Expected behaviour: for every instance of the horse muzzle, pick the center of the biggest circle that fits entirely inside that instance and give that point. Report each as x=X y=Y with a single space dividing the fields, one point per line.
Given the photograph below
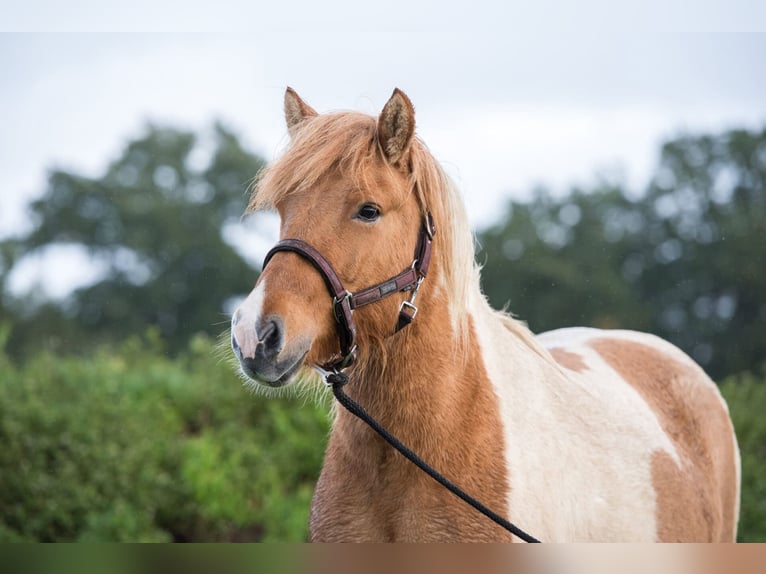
x=263 y=355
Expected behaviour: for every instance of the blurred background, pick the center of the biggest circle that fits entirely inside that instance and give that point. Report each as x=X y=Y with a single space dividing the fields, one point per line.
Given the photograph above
x=613 y=166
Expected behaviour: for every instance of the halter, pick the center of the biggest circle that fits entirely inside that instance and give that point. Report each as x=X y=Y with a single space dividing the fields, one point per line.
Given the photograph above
x=344 y=302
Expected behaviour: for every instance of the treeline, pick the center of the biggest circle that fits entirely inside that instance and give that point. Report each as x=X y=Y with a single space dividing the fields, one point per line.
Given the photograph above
x=154 y=223
x=684 y=260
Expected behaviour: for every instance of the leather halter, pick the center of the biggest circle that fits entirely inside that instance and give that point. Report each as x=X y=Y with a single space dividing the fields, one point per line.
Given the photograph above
x=344 y=302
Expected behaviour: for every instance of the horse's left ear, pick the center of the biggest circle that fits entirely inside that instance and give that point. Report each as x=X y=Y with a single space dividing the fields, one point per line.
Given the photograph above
x=396 y=126
x=296 y=111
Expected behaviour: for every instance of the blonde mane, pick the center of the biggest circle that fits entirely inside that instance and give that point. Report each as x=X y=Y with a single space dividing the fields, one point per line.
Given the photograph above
x=348 y=141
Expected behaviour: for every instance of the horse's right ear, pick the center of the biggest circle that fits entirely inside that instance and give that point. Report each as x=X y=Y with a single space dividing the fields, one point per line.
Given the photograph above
x=296 y=111
x=396 y=126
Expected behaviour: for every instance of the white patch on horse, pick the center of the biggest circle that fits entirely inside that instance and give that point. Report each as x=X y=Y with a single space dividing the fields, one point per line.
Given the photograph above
x=575 y=340
x=584 y=473
x=245 y=319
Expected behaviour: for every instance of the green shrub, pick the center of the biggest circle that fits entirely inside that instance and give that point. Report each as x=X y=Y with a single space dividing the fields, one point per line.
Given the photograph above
x=132 y=445
x=746 y=395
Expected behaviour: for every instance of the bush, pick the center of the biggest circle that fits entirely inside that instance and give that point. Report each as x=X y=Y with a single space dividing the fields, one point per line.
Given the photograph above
x=129 y=445
x=746 y=395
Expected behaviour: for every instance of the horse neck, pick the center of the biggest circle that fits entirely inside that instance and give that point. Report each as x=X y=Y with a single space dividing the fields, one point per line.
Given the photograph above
x=435 y=396
x=426 y=384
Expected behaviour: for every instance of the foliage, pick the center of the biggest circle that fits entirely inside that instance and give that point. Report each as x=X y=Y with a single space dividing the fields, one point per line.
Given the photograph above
x=132 y=445
x=549 y=262
x=154 y=220
x=684 y=260
x=746 y=396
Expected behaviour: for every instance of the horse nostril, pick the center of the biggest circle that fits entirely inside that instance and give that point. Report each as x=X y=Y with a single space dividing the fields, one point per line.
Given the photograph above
x=270 y=335
x=235 y=346
x=265 y=331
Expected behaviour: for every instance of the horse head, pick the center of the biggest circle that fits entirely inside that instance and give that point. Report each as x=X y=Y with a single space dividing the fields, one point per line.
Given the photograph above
x=344 y=187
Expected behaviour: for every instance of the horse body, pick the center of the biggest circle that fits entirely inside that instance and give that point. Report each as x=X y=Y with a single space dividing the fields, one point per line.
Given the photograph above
x=574 y=435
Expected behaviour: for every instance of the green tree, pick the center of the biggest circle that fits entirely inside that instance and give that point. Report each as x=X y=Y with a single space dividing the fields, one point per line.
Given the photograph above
x=704 y=265
x=154 y=219
x=684 y=260
x=559 y=262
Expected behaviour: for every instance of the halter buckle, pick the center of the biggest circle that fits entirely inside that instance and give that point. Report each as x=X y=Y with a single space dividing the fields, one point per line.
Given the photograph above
x=409 y=305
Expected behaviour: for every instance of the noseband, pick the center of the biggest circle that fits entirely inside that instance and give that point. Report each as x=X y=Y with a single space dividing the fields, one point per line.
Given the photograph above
x=345 y=302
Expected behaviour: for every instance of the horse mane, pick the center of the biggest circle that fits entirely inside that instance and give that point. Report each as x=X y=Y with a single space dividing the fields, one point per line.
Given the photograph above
x=348 y=141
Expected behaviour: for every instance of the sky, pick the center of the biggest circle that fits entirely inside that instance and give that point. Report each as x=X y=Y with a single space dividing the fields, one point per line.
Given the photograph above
x=507 y=95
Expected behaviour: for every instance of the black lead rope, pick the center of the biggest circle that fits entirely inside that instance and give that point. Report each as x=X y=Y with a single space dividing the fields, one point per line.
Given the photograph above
x=338 y=380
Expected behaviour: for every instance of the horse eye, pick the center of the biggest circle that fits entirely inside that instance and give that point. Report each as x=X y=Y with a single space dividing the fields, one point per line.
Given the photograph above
x=368 y=212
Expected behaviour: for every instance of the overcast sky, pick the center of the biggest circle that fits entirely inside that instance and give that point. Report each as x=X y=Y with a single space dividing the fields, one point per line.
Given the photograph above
x=506 y=96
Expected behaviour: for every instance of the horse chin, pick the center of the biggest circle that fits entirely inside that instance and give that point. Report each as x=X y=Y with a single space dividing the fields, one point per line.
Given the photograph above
x=284 y=375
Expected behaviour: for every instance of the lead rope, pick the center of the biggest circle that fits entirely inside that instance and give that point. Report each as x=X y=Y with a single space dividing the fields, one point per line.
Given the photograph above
x=338 y=380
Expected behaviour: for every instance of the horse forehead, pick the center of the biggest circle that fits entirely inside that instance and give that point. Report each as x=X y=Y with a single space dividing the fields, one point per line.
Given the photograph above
x=330 y=194
x=307 y=209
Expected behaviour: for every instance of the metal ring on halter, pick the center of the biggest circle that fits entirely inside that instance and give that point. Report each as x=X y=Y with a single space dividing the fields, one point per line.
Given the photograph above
x=338 y=301
x=349 y=359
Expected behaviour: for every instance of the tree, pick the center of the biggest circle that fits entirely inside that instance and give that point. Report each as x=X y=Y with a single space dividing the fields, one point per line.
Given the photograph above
x=704 y=261
x=155 y=218
x=684 y=261
x=558 y=262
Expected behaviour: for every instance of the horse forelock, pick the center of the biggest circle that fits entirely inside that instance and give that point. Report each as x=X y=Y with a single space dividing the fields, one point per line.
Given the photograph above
x=332 y=141
x=347 y=141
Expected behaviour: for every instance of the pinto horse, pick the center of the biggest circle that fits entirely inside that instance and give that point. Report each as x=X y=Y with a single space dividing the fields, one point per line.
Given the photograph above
x=575 y=435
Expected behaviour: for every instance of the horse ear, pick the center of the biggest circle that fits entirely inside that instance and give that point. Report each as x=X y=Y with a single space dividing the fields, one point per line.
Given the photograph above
x=396 y=126
x=296 y=111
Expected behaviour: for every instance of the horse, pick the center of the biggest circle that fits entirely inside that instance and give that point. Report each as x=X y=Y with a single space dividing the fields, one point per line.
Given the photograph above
x=577 y=434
